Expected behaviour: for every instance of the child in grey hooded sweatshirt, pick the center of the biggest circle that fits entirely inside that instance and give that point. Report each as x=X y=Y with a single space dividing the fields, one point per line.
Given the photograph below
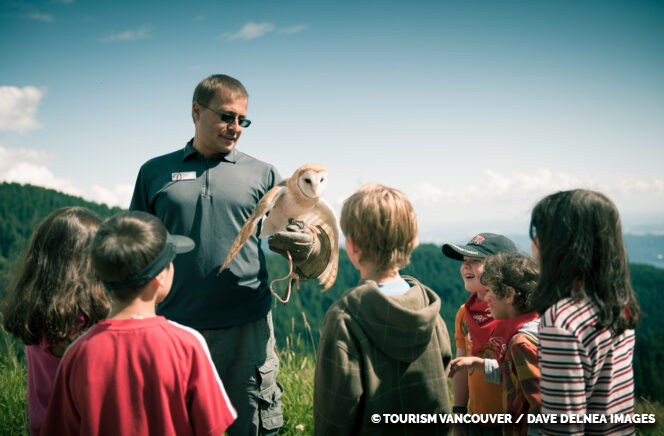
x=384 y=348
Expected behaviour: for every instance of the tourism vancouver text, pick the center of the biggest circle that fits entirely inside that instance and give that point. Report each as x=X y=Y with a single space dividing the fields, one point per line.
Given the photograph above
x=502 y=418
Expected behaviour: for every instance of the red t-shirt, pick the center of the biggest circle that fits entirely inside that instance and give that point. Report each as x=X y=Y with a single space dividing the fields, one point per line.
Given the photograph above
x=138 y=376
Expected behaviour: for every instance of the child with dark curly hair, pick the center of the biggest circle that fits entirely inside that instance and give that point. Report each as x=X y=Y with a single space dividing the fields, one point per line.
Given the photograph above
x=510 y=280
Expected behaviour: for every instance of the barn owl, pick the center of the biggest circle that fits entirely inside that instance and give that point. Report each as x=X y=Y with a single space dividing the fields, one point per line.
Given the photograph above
x=298 y=197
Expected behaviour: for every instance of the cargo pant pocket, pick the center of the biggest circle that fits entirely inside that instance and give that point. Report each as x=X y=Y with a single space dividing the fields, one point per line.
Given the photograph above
x=269 y=396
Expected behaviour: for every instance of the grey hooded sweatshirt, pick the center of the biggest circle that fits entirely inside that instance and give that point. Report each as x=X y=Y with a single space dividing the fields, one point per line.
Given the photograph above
x=382 y=355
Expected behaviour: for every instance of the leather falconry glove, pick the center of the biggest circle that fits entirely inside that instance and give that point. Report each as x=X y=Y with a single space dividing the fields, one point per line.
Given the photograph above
x=309 y=247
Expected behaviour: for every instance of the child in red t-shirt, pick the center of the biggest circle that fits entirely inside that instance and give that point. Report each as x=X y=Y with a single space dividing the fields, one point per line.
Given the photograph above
x=136 y=372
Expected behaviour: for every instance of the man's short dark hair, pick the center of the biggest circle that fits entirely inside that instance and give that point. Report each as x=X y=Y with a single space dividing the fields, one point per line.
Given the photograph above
x=208 y=88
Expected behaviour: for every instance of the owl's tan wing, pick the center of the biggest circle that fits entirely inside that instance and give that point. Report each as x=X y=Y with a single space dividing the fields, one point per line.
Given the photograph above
x=323 y=215
x=262 y=207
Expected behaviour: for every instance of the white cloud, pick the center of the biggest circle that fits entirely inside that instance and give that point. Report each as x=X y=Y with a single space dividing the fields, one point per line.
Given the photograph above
x=25 y=11
x=425 y=191
x=507 y=199
x=32 y=167
x=640 y=186
x=39 y=16
x=293 y=29
x=252 y=30
x=498 y=182
x=144 y=32
x=118 y=195
x=18 y=107
x=540 y=182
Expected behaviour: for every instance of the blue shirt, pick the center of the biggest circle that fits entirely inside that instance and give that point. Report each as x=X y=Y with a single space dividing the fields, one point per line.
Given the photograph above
x=394 y=288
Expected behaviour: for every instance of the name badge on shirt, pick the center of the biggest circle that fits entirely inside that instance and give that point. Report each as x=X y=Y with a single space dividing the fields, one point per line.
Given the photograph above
x=189 y=175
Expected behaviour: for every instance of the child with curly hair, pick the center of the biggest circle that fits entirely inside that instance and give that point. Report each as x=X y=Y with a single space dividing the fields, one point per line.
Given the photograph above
x=510 y=280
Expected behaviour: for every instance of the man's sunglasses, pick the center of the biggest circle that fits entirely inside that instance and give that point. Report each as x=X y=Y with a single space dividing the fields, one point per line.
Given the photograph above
x=229 y=118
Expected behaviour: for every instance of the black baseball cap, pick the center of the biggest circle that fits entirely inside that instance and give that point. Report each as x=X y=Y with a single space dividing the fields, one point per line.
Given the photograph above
x=175 y=244
x=482 y=245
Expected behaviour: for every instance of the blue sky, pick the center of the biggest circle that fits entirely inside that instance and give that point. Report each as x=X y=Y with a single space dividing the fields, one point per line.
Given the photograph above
x=474 y=109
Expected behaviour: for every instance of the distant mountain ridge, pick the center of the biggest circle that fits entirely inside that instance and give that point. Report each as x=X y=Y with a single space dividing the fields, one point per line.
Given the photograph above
x=642 y=249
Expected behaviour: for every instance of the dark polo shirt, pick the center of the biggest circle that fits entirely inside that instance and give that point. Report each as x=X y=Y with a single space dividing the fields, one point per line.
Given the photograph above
x=209 y=201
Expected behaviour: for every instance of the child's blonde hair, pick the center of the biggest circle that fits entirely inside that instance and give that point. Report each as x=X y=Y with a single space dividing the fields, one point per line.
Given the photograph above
x=55 y=294
x=382 y=223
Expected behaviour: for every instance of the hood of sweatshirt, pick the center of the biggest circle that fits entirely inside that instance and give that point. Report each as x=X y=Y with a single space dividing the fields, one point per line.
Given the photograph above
x=400 y=326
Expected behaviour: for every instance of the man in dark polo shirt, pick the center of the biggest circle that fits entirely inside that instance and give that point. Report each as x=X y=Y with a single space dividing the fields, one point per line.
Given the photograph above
x=207 y=191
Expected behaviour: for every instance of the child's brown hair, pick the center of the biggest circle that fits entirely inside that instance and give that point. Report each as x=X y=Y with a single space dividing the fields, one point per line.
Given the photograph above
x=505 y=271
x=124 y=245
x=382 y=223
x=581 y=253
x=55 y=286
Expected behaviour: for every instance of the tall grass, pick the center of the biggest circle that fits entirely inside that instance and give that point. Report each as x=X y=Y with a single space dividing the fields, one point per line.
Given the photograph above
x=13 y=371
x=296 y=374
x=643 y=406
x=296 y=359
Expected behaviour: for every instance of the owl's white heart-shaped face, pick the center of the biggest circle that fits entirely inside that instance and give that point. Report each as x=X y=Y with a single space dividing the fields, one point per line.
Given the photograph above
x=312 y=183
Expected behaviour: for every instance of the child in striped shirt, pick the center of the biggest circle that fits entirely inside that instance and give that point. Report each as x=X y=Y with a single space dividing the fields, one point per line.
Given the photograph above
x=588 y=312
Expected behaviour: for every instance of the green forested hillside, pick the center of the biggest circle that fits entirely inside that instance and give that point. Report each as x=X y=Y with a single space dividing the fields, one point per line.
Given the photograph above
x=22 y=207
x=648 y=283
x=442 y=275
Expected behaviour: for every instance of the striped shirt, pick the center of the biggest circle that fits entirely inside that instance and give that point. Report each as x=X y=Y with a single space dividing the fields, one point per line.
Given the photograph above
x=584 y=371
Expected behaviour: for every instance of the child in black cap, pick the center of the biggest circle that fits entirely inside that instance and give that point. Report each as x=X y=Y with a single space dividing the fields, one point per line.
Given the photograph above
x=136 y=372
x=474 y=326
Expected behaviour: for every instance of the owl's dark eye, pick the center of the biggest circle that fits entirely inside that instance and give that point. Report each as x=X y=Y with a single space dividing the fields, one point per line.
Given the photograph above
x=308 y=181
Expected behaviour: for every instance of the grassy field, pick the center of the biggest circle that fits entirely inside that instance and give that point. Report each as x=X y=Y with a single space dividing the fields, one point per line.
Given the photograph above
x=297 y=362
x=13 y=372
x=296 y=374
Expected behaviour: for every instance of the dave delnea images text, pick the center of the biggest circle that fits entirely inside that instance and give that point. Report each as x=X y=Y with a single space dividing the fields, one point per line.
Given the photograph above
x=441 y=418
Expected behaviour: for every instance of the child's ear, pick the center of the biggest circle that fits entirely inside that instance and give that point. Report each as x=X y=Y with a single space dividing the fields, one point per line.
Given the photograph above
x=509 y=297
x=351 y=246
x=162 y=278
